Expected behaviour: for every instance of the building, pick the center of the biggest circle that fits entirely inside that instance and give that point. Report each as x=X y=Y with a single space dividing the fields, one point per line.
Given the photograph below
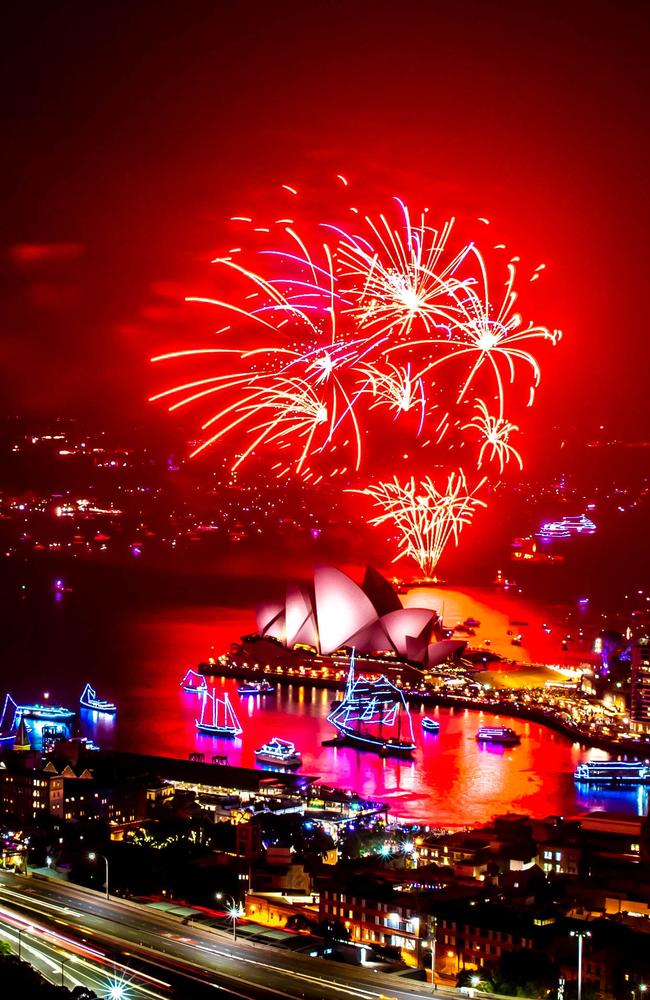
x=476 y=935
x=376 y=915
x=333 y=613
x=640 y=686
x=27 y=793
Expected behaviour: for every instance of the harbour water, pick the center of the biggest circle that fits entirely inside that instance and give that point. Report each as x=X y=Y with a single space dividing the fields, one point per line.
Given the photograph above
x=135 y=652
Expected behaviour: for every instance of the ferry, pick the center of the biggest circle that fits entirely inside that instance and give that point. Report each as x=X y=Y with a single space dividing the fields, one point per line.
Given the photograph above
x=554 y=529
x=280 y=752
x=218 y=716
x=430 y=725
x=501 y=735
x=194 y=682
x=566 y=526
x=90 y=700
x=579 y=523
x=49 y=713
x=613 y=772
x=256 y=687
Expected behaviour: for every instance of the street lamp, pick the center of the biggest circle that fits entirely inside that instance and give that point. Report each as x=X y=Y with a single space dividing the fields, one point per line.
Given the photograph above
x=580 y=935
x=433 y=954
x=64 y=962
x=93 y=857
x=21 y=931
x=234 y=911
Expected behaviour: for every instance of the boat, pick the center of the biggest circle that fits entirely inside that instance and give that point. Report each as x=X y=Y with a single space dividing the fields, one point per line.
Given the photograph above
x=571 y=524
x=217 y=716
x=9 y=720
x=501 y=735
x=90 y=700
x=256 y=687
x=194 y=682
x=430 y=725
x=373 y=715
x=280 y=752
x=613 y=772
x=580 y=523
x=472 y=623
x=553 y=529
x=50 y=713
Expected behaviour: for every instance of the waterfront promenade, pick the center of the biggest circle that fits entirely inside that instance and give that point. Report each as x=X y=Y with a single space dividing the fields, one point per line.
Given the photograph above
x=576 y=715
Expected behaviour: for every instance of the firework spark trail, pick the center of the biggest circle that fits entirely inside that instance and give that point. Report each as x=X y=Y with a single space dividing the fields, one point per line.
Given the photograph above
x=426 y=518
x=397 y=389
x=495 y=432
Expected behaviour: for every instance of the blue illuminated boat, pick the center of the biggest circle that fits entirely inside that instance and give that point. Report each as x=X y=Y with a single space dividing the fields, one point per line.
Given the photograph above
x=48 y=713
x=373 y=715
x=193 y=682
x=501 y=735
x=280 y=752
x=90 y=700
x=430 y=725
x=256 y=687
x=217 y=716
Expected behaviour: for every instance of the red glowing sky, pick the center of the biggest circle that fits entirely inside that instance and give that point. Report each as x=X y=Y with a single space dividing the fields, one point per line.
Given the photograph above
x=135 y=130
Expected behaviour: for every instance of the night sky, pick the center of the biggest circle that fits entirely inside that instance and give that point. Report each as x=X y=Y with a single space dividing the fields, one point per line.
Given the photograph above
x=132 y=130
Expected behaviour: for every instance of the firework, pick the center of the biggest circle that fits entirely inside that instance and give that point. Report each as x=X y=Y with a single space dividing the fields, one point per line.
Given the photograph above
x=375 y=335
x=398 y=278
x=483 y=336
x=495 y=433
x=425 y=518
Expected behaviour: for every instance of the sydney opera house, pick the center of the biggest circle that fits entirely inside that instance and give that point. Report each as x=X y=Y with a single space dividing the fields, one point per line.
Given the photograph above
x=332 y=613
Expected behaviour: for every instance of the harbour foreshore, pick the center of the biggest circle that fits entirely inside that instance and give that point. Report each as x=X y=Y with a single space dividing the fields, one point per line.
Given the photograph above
x=637 y=748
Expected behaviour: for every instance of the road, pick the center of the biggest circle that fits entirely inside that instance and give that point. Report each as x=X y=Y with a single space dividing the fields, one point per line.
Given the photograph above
x=185 y=961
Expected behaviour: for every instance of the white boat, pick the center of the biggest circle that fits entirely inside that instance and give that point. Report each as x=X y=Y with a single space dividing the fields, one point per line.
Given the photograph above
x=501 y=735
x=613 y=772
x=280 y=752
x=255 y=688
x=217 y=716
x=90 y=700
x=430 y=725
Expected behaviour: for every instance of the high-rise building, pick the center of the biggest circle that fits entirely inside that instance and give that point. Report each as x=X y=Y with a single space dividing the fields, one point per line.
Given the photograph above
x=640 y=686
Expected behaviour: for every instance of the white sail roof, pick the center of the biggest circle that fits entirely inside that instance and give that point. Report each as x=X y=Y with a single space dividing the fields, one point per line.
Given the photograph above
x=342 y=608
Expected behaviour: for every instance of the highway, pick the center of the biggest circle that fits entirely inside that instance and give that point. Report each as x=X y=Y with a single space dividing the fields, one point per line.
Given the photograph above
x=165 y=958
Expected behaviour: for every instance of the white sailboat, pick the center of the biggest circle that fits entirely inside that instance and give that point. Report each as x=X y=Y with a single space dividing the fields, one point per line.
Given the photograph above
x=217 y=716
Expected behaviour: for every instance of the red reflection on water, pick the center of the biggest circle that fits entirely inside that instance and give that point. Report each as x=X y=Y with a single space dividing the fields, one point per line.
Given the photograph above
x=451 y=780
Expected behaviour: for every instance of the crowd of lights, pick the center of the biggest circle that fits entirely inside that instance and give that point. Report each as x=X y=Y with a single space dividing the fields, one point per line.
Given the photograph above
x=384 y=331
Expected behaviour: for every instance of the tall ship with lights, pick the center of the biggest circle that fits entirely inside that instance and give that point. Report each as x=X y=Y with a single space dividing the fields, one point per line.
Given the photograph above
x=217 y=716
x=373 y=715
